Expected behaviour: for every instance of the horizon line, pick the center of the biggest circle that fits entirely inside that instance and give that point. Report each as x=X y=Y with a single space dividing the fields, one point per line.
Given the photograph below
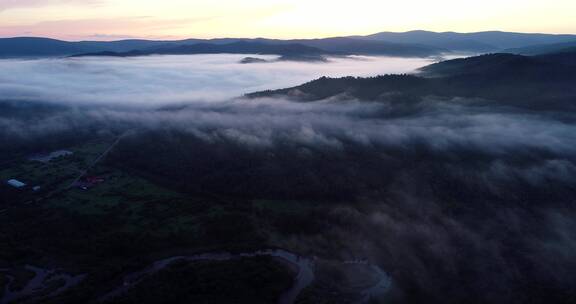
x=263 y=37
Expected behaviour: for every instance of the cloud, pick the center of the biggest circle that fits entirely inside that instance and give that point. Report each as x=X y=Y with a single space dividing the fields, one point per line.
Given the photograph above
x=164 y=79
x=114 y=28
x=13 y=4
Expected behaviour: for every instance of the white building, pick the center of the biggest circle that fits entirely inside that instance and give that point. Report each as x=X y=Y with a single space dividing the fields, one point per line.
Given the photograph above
x=16 y=183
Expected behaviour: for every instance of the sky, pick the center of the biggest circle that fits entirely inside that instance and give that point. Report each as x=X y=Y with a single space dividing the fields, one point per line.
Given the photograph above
x=175 y=19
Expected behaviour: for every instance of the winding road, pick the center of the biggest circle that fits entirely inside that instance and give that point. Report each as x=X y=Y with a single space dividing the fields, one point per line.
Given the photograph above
x=303 y=279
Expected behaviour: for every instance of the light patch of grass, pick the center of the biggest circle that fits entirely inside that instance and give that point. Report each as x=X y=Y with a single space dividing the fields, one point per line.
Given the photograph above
x=117 y=188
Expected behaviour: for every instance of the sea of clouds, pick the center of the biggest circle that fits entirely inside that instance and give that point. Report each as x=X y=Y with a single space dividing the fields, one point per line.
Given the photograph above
x=155 y=80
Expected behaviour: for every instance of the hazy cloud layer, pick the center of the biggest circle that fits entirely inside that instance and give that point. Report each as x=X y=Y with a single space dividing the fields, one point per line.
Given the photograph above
x=165 y=79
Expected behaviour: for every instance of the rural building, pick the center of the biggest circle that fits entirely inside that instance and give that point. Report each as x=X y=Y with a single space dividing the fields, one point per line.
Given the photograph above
x=16 y=183
x=45 y=158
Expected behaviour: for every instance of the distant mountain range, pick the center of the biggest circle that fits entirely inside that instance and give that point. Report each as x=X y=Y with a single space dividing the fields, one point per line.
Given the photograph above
x=240 y=47
x=407 y=44
x=490 y=41
x=39 y=47
x=328 y=46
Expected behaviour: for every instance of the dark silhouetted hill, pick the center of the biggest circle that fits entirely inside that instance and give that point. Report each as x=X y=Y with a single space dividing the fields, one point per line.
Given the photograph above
x=29 y=46
x=544 y=48
x=44 y=47
x=473 y=42
x=241 y=47
x=565 y=56
x=367 y=47
x=542 y=82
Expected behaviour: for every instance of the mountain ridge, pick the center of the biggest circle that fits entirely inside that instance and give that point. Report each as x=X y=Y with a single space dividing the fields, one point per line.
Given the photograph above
x=528 y=82
x=417 y=43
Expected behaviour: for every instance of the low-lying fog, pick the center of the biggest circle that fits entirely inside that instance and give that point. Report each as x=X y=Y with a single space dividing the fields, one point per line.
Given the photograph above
x=161 y=79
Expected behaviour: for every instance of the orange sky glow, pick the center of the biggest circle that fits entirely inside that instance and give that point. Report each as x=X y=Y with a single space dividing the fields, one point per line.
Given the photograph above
x=175 y=19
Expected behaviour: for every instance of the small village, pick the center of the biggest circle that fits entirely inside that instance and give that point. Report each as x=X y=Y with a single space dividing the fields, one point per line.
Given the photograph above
x=41 y=158
x=42 y=175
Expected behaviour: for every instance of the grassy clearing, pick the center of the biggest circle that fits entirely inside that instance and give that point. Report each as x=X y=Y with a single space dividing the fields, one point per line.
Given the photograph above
x=55 y=175
x=116 y=189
